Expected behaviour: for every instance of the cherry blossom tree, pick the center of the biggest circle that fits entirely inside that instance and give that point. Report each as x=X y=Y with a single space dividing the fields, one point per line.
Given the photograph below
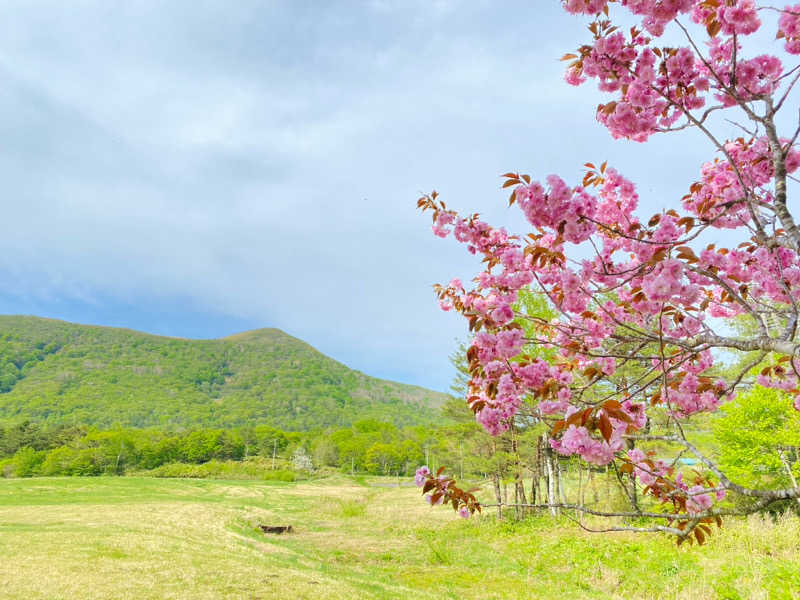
x=648 y=295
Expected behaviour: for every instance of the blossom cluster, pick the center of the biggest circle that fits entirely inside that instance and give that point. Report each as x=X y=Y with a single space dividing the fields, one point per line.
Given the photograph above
x=642 y=292
x=789 y=28
x=658 y=284
x=657 y=87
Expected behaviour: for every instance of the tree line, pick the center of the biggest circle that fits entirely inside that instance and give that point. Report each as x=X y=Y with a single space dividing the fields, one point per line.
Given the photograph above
x=369 y=446
x=520 y=464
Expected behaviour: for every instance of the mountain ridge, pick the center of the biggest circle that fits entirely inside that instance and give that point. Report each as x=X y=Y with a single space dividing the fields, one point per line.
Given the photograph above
x=57 y=371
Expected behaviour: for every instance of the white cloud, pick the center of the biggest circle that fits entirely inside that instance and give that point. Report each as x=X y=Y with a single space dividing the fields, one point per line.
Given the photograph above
x=262 y=159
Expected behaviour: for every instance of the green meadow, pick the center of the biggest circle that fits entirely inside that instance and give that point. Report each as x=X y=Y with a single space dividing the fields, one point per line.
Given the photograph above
x=138 y=537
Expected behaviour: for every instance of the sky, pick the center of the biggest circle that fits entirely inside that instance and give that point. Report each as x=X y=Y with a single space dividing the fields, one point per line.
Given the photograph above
x=198 y=168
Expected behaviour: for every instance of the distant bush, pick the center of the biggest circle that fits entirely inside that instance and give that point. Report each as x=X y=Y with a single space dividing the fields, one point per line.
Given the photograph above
x=59 y=461
x=217 y=469
x=279 y=475
x=25 y=463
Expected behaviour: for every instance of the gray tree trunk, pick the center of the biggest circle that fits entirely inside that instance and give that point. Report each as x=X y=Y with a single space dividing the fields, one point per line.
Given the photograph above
x=551 y=478
x=788 y=467
x=496 y=482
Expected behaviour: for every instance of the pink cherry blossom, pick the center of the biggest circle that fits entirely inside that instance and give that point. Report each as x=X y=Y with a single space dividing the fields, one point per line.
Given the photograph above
x=421 y=476
x=741 y=18
x=697 y=501
x=789 y=28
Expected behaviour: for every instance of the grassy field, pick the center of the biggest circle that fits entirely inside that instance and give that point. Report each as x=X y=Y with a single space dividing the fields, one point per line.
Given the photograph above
x=144 y=538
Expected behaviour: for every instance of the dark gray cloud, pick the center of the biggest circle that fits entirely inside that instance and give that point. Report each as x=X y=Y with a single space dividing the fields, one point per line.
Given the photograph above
x=260 y=161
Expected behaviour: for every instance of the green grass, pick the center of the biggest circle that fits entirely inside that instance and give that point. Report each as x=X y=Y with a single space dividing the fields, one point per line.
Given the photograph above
x=185 y=538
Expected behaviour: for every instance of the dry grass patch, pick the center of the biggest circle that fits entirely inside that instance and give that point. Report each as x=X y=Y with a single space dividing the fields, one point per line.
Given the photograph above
x=147 y=550
x=179 y=539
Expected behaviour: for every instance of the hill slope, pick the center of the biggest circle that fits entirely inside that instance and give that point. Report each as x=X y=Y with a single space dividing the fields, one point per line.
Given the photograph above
x=59 y=372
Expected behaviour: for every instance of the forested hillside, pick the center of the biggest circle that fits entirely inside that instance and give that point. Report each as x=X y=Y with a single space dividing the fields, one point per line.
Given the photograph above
x=57 y=372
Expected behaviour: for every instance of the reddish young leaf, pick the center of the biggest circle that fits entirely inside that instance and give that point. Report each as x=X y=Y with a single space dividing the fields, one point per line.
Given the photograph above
x=605 y=427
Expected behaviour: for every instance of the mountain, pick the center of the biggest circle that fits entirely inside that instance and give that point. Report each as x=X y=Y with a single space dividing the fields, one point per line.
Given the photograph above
x=58 y=372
